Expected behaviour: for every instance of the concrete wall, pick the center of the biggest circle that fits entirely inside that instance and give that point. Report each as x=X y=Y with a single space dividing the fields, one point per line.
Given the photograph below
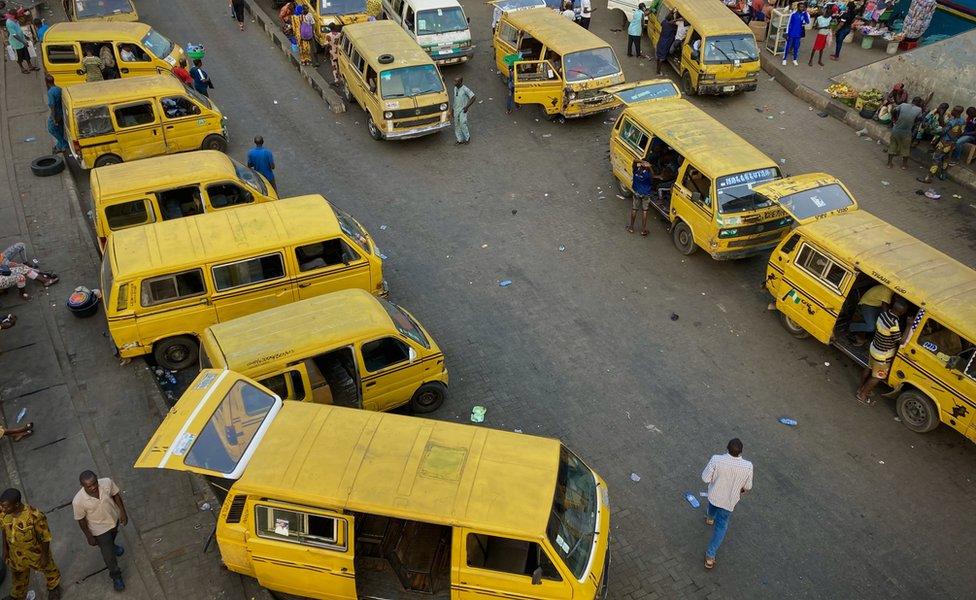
x=945 y=67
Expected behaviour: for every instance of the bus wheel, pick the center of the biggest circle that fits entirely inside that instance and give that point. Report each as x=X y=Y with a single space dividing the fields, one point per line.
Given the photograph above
x=624 y=190
x=793 y=328
x=428 y=398
x=917 y=412
x=686 y=86
x=107 y=159
x=214 y=142
x=176 y=353
x=374 y=131
x=684 y=241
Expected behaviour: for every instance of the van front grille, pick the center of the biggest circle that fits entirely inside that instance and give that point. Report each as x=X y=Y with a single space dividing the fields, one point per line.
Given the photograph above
x=406 y=113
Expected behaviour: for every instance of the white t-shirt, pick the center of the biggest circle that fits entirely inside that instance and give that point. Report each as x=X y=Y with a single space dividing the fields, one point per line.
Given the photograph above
x=585 y=9
x=569 y=14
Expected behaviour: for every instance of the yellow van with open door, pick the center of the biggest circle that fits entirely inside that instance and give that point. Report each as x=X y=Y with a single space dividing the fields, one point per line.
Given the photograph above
x=334 y=503
x=347 y=348
x=149 y=52
x=558 y=64
x=164 y=283
x=395 y=82
x=332 y=13
x=120 y=120
x=100 y=10
x=706 y=177
x=718 y=54
x=819 y=274
x=171 y=187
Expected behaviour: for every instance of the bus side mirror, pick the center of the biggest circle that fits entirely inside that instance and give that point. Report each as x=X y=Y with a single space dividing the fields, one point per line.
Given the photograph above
x=537 y=576
x=413 y=356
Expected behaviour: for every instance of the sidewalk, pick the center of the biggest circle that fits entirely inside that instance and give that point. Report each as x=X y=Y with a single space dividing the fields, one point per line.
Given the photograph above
x=89 y=412
x=810 y=83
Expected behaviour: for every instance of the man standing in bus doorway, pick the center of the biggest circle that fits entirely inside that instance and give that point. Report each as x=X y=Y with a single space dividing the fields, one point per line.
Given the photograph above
x=586 y=12
x=884 y=346
x=463 y=99
x=728 y=477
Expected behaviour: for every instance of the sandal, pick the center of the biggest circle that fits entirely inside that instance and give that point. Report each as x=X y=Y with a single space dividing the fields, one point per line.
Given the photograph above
x=709 y=522
x=644 y=233
x=53 y=279
x=630 y=230
x=709 y=562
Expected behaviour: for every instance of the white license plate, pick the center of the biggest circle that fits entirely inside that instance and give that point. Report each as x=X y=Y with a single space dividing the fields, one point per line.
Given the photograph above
x=728 y=88
x=445 y=51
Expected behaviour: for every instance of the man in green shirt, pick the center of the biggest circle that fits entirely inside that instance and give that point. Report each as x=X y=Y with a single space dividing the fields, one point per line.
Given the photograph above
x=18 y=41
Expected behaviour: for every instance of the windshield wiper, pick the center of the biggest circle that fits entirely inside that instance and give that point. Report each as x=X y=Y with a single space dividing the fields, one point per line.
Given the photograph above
x=724 y=53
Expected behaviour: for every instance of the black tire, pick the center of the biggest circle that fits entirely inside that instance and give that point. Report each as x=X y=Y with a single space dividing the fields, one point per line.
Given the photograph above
x=345 y=391
x=917 y=412
x=107 y=159
x=792 y=327
x=624 y=190
x=374 y=131
x=428 y=398
x=46 y=166
x=686 y=87
x=177 y=353
x=683 y=239
x=214 y=142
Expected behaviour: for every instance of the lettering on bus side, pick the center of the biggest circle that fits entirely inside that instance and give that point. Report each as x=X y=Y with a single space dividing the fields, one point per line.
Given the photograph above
x=269 y=357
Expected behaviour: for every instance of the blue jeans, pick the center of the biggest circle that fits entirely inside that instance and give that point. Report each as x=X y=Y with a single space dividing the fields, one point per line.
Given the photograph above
x=57 y=132
x=965 y=139
x=839 y=39
x=870 y=316
x=794 y=44
x=721 y=526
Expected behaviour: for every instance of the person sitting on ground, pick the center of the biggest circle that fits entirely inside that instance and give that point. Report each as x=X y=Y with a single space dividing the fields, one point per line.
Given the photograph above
x=933 y=124
x=17 y=433
x=16 y=275
x=897 y=95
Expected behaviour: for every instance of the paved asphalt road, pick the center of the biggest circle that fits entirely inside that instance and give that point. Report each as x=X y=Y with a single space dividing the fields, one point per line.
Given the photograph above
x=580 y=346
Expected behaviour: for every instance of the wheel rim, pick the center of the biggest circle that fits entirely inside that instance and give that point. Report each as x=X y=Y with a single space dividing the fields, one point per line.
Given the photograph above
x=791 y=324
x=428 y=398
x=372 y=128
x=683 y=238
x=176 y=353
x=916 y=412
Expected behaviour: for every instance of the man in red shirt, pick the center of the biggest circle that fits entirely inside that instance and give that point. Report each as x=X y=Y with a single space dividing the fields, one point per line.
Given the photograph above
x=182 y=74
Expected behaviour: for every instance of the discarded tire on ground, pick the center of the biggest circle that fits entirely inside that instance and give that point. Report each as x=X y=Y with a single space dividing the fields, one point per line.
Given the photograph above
x=45 y=166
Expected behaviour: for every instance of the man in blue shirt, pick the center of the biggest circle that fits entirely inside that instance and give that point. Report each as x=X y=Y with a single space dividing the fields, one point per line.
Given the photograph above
x=636 y=29
x=794 y=32
x=261 y=160
x=642 y=185
x=55 y=120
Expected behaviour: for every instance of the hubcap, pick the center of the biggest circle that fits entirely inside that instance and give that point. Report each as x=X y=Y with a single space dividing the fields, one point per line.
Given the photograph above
x=427 y=398
x=177 y=354
x=916 y=412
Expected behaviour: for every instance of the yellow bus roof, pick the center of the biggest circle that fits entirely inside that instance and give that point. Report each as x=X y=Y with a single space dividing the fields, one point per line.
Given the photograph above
x=711 y=146
x=710 y=17
x=558 y=33
x=375 y=38
x=120 y=90
x=420 y=469
x=95 y=31
x=926 y=277
x=300 y=329
x=221 y=235
x=160 y=172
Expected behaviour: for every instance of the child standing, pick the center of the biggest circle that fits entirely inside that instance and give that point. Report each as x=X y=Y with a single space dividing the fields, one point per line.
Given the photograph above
x=823 y=33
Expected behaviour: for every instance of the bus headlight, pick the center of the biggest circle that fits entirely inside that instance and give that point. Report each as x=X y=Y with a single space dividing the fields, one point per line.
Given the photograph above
x=443 y=106
x=387 y=115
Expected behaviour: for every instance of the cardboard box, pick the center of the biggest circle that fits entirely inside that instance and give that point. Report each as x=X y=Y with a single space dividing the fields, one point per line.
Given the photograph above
x=758 y=30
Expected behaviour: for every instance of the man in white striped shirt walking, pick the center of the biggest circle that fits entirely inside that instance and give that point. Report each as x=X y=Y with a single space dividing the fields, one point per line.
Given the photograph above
x=728 y=477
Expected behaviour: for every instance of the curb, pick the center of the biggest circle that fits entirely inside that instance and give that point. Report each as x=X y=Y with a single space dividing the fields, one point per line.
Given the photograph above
x=311 y=75
x=849 y=117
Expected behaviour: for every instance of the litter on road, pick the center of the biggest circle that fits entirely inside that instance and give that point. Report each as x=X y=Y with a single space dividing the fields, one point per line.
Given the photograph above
x=788 y=421
x=478 y=414
x=634 y=477
x=692 y=500
x=505 y=283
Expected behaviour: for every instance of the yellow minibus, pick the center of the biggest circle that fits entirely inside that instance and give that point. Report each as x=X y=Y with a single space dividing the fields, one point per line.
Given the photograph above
x=334 y=503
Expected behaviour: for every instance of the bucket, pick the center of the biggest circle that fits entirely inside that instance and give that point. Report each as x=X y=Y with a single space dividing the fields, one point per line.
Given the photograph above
x=892 y=47
x=869 y=110
x=83 y=302
x=867 y=41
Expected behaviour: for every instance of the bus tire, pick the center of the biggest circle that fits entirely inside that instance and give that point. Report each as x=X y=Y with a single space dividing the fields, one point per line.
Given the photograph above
x=793 y=328
x=686 y=86
x=428 y=398
x=917 y=412
x=176 y=353
x=374 y=131
x=624 y=190
x=683 y=239
x=214 y=142
x=48 y=165
x=107 y=159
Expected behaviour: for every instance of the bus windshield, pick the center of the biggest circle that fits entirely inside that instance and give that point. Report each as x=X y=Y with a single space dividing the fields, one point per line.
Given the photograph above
x=342 y=7
x=726 y=49
x=86 y=9
x=158 y=44
x=735 y=191
x=590 y=64
x=410 y=81
x=572 y=522
x=441 y=20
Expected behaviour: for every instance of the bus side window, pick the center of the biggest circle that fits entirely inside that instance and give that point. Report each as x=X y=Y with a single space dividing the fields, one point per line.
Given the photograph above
x=506 y=555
